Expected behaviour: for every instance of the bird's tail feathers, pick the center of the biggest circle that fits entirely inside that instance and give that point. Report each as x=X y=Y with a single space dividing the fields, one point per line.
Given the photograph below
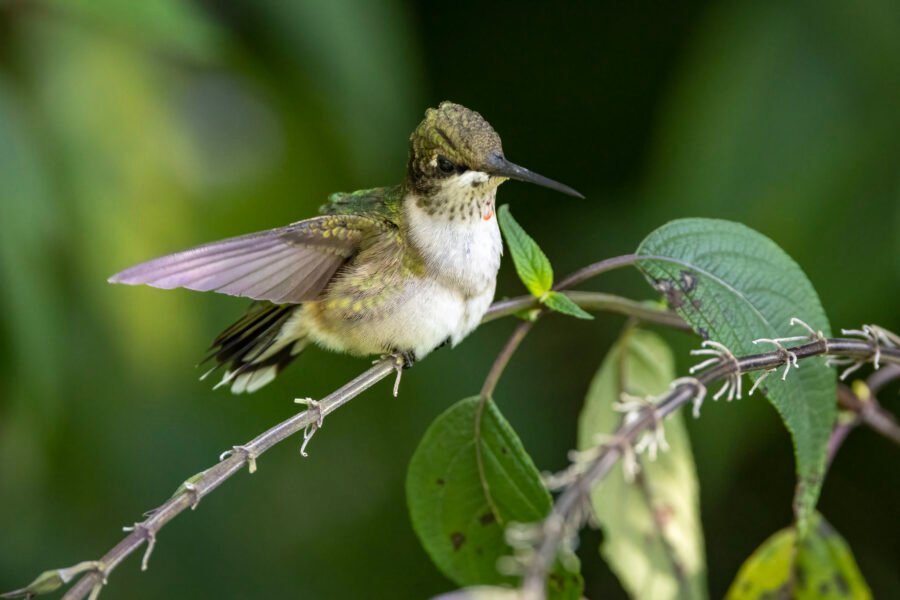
x=256 y=348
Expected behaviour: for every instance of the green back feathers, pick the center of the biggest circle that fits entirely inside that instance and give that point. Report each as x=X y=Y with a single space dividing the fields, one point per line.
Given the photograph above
x=381 y=202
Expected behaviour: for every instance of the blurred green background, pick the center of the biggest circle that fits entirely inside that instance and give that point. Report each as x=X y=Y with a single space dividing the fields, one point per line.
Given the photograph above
x=131 y=129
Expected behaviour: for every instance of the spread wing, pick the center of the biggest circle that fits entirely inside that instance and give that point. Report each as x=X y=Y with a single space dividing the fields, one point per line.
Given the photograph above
x=287 y=265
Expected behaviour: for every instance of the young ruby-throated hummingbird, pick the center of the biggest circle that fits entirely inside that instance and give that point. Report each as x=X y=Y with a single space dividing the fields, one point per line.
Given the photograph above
x=392 y=270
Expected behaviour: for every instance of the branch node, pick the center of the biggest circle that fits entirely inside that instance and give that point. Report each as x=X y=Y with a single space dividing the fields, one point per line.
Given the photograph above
x=789 y=358
x=194 y=492
x=721 y=355
x=149 y=536
x=699 y=392
x=310 y=430
x=653 y=440
x=249 y=456
x=630 y=464
x=400 y=362
x=875 y=335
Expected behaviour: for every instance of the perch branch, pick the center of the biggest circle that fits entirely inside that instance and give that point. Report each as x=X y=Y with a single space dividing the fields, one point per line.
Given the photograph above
x=568 y=512
x=188 y=495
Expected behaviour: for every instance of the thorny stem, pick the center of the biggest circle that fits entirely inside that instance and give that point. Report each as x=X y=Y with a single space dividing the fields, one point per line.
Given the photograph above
x=567 y=507
x=188 y=495
x=216 y=475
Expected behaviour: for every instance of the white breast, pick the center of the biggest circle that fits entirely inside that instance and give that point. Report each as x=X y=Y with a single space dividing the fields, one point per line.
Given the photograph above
x=464 y=254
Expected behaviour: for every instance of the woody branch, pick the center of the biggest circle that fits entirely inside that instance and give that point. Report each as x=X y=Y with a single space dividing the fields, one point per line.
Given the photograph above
x=92 y=575
x=539 y=548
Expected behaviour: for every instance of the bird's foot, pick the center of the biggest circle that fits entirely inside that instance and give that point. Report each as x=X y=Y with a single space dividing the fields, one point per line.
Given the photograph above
x=310 y=430
x=312 y=405
x=402 y=360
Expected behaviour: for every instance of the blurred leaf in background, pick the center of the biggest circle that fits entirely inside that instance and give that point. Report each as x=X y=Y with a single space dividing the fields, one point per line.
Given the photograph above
x=653 y=539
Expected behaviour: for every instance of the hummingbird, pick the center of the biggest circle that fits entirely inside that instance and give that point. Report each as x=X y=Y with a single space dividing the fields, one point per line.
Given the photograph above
x=396 y=270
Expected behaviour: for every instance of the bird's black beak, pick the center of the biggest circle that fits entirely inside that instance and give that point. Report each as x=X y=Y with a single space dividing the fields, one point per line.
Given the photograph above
x=498 y=165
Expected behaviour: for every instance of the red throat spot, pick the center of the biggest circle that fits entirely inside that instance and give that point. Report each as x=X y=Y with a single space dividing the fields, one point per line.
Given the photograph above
x=490 y=213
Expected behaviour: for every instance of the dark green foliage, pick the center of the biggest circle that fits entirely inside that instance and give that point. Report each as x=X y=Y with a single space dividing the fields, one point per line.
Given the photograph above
x=734 y=285
x=460 y=512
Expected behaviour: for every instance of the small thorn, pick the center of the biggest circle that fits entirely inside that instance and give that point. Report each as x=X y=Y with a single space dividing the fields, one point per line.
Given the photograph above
x=759 y=381
x=151 y=544
x=312 y=405
x=310 y=430
x=194 y=492
x=250 y=457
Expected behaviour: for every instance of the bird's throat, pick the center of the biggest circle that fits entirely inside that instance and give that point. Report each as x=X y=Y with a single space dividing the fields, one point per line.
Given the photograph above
x=462 y=199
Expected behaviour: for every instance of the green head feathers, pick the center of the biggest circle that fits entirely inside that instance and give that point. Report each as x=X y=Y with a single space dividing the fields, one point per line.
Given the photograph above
x=451 y=140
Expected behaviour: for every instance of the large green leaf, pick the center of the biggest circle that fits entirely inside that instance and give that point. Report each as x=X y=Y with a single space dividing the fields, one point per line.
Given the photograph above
x=823 y=567
x=641 y=364
x=734 y=285
x=459 y=526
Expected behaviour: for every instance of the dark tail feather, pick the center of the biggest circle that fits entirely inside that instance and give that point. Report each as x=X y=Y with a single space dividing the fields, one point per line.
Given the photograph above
x=255 y=349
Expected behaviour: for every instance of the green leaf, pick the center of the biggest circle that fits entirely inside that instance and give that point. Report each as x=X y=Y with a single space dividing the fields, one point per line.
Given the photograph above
x=563 y=304
x=531 y=263
x=459 y=526
x=734 y=285
x=824 y=567
x=641 y=364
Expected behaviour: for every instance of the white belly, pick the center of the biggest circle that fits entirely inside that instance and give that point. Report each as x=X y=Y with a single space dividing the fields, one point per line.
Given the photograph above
x=420 y=319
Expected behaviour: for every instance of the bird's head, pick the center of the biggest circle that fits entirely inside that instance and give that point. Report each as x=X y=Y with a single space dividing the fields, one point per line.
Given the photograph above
x=456 y=154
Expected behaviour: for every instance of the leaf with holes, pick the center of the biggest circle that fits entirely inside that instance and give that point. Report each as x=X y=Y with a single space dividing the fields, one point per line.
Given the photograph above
x=459 y=519
x=531 y=263
x=820 y=565
x=652 y=536
x=734 y=285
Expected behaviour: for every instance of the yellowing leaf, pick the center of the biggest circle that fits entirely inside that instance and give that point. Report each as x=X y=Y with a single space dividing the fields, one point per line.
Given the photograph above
x=824 y=567
x=653 y=539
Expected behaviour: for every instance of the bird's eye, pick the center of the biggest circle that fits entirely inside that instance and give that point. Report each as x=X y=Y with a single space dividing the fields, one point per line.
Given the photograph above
x=445 y=164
